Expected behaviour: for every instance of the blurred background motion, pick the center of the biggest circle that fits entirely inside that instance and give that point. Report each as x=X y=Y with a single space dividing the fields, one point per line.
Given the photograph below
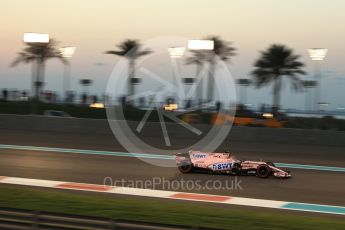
x=104 y=90
x=57 y=60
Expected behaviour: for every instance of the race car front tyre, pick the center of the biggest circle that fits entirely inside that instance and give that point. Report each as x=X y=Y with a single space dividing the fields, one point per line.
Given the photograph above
x=186 y=168
x=263 y=171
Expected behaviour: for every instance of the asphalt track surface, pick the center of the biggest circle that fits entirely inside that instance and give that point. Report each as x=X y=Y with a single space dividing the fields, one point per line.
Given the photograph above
x=310 y=186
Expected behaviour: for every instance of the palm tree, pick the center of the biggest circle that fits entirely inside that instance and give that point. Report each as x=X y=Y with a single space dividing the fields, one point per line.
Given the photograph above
x=38 y=53
x=131 y=49
x=222 y=50
x=275 y=63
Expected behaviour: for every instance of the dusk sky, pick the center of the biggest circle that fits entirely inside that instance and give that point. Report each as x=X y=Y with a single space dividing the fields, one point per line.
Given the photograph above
x=252 y=25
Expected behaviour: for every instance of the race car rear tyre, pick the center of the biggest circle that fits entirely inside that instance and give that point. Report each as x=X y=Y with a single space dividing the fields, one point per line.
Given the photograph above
x=186 y=168
x=263 y=171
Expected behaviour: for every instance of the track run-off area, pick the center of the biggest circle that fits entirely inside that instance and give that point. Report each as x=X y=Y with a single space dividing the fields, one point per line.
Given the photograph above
x=42 y=166
x=84 y=156
x=307 y=207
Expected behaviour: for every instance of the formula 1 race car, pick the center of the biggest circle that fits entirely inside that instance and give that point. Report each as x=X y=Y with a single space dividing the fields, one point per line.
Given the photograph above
x=226 y=163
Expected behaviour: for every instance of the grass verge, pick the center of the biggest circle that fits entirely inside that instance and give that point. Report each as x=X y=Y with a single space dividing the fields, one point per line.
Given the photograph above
x=158 y=211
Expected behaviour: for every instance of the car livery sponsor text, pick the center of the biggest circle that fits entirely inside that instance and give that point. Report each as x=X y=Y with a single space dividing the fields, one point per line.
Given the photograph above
x=221 y=166
x=199 y=156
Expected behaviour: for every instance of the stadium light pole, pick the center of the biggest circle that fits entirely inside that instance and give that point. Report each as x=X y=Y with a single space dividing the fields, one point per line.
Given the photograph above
x=308 y=85
x=206 y=45
x=317 y=55
x=201 y=44
x=175 y=54
x=243 y=83
x=36 y=38
x=67 y=52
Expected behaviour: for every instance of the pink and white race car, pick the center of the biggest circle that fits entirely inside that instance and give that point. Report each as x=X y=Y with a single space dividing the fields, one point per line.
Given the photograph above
x=226 y=163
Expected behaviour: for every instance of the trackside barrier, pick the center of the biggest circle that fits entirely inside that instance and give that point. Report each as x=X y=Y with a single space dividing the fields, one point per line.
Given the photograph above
x=32 y=220
x=238 y=133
